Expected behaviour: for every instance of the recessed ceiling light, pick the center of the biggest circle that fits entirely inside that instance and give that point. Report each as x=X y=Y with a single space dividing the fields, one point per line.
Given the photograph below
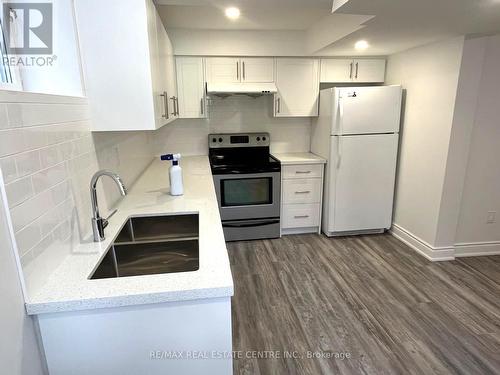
x=361 y=45
x=232 y=13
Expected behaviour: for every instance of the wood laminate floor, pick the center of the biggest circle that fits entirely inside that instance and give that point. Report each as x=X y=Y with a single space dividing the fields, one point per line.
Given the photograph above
x=369 y=297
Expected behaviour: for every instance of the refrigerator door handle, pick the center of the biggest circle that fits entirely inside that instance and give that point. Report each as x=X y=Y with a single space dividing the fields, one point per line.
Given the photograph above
x=339 y=151
x=339 y=140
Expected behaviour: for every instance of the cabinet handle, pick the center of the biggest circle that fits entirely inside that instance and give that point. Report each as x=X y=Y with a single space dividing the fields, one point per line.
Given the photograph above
x=165 y=104
x=303 y=192
x=357 y=66
x=302 y=172
x=350 y=71
x=243 y=63
x=278 y=105
x=237 y=71
x=177 y=104
x=301 y=216
x=173 y=102
x=201 y=106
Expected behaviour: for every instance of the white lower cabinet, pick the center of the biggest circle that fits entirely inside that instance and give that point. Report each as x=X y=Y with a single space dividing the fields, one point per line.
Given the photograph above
x=301 y=216
x=301 y=197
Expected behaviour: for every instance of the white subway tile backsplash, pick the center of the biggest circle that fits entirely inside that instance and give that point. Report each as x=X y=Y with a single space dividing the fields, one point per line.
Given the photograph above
x=48 y=156
x=4 y=120
x=11 y=141
x=14 y=114
x=35 y=137
x=19 y=191
x=27 y=163
x=9 y=170
x=49 y=177
x=31 y=209
x=43 y=245
x=28 y=237
x=233 y=115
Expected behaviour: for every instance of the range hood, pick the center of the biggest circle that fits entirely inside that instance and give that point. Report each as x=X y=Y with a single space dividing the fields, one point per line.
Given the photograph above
x=251 y=89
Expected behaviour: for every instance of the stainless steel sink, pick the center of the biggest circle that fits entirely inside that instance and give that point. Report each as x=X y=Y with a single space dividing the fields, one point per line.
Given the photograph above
x=148 y=245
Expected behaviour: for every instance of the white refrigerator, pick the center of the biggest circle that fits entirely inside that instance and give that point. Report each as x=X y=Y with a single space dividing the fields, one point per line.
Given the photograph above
x=357 y=131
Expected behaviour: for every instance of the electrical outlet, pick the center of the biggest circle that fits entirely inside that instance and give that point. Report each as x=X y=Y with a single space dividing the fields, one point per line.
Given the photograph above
x=492 y=217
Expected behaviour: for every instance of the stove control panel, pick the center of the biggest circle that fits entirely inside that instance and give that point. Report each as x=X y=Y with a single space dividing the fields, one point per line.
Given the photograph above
x=232 y=140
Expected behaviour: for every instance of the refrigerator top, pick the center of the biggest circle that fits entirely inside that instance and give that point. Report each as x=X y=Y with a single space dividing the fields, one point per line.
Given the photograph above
x=366 y=110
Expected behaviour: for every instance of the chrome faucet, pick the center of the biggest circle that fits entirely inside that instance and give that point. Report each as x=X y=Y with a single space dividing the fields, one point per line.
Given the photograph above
x=98 y=223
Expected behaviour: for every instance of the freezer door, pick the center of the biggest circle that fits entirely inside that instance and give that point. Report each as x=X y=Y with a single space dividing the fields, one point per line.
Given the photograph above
x=361 y=188
x=367 y=110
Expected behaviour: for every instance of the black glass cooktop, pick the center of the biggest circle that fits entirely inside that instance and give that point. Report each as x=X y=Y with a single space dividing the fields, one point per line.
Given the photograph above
x=243 y=160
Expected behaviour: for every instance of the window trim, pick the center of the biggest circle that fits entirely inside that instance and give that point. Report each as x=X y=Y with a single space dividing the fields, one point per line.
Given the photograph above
x=12 y=71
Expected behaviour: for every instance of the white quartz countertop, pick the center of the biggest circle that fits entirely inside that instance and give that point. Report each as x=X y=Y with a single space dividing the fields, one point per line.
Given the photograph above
x=299 y=158
x=69 y=289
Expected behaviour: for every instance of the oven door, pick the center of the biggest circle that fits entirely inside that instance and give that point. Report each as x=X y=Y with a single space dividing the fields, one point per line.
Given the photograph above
x=248 y=196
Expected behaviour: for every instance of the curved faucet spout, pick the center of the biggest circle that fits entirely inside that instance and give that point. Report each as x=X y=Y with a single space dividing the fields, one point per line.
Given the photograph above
x=98 y=223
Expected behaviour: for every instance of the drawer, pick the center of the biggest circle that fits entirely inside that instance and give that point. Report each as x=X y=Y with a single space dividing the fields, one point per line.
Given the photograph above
x=302 y=190
x=300 y=215
x=302 y=171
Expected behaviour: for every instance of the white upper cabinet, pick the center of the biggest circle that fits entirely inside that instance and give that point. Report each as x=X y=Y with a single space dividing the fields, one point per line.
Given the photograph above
x=369 y=70
x=125 y=64
x=167 y=76
x=336 y=70
x=191 y=87
x=297 y=80
x=255 y=69
x=349 y=70
x=236 y=69
x=223 y=69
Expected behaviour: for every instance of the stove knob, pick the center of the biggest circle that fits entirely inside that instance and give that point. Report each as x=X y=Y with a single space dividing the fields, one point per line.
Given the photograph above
x=220 y=140
x=263 y=138
x=258 y=139
x=214 y=140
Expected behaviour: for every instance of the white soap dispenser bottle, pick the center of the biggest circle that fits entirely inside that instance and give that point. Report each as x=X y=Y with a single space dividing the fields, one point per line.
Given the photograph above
x=176 y=186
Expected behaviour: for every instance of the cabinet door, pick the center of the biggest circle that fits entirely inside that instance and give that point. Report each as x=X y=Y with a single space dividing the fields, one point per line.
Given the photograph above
x=297 y=81
x=171 y=79
x=223 y=69
x=336 y=70
x=369 y=70
x=257 y=69
x=190 y=86
x=166 y=80
x=158 y=72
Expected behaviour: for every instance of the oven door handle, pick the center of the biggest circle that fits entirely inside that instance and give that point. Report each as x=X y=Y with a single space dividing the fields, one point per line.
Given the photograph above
x=248 y=224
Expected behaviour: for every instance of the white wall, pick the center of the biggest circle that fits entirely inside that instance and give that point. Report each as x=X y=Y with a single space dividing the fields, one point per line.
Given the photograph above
x=482 y=182
x=234 y=114
x=19 y=351
x=238 y=43
x=460 y=138
x=429 y=74
x=48 y=156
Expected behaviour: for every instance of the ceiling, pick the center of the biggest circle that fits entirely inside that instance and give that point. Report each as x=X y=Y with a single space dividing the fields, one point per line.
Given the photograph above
x=255 y=14
x=397 y=24
x=402 y=24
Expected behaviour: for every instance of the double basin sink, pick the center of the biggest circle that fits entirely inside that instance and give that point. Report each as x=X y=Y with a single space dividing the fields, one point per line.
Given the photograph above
x=148 y=245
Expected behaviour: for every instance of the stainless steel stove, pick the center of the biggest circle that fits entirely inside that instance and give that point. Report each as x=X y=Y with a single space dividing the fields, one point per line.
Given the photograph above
x=247 y=181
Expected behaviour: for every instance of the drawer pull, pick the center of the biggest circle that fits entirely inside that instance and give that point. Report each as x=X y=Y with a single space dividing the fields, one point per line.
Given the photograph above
x=302 y=172
x=301 y=216
x=303 y=192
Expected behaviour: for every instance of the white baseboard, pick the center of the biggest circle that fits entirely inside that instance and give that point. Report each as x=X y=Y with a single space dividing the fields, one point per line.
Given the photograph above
x=434 y=254
x=477 y=249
